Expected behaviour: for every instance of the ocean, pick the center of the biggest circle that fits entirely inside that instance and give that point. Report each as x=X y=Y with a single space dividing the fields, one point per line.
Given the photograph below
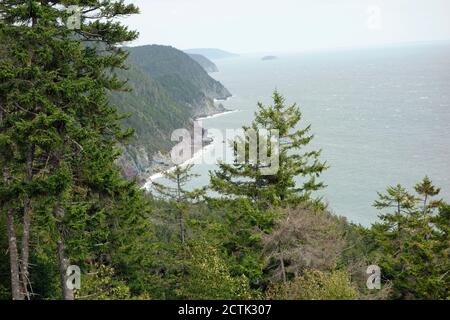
x=380 y=115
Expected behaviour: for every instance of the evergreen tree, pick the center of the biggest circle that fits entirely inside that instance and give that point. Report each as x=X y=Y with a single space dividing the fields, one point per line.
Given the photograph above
x=247 y=177
x=411 y=243
x=239 y=228
x=397 y=198
x=58 y=134
x=207 y=276
x=427 y=190
x=179 y=177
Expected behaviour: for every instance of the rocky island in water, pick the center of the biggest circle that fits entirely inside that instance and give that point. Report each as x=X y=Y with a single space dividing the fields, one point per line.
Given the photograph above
x=267 y=58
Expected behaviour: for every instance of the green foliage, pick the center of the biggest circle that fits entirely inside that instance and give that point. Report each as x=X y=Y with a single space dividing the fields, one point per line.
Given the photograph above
x=153 y=114
x=396 y=197
x=181 y=76
x=245 y=178
x=178 y=177
x=411 y=244
x=101 y=283
x=316 y=285
x=241 y=230
x=60 y=140
x=208 y=277
x=60 y=136
x=168 y=89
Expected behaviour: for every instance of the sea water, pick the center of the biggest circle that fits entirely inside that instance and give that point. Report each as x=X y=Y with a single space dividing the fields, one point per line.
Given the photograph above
x=380 y=115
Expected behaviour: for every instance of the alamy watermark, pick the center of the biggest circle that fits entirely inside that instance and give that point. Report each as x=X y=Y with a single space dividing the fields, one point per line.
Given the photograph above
x=73 y=274
x=375 y=18
x=374 y=279
x=74 y=20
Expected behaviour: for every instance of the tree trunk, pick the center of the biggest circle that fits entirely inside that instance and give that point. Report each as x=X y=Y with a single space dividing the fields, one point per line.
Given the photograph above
x=25 y=249
x=283 y=268
x=425 y=204
x=27 y=214
x=67 y=293
x=182 y=231
x=13 y=257
x=180 y=217
x=27 y=207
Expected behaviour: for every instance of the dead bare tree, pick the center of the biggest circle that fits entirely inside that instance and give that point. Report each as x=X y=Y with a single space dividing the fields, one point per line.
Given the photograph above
x=302 y=239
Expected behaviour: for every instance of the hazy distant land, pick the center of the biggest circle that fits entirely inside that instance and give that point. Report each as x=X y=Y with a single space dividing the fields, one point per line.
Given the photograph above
x=212 y=53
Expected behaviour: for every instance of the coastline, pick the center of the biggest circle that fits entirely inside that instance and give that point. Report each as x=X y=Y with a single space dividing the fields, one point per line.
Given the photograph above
x=216 y=115
x=148 y=182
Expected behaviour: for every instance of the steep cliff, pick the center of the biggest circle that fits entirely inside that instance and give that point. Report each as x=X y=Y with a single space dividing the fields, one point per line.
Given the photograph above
x=169 y=89
x=205 y=63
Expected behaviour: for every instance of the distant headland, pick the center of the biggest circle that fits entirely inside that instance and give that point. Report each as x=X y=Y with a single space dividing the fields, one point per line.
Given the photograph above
x=212 y=53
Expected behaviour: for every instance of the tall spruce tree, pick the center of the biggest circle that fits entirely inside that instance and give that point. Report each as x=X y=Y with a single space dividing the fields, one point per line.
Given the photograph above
x=178 y=178
x=426 y=190
x=246 y=177
x=58 y=134
x=410 y=244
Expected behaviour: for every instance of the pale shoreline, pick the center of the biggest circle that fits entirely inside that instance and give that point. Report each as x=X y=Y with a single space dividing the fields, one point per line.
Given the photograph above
x=195 y=156
x=216 y=115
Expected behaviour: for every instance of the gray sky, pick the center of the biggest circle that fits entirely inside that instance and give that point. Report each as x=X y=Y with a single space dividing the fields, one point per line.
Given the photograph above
x=245 y=26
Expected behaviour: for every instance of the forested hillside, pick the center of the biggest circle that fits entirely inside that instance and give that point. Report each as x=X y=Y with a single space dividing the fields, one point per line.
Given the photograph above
x=184 y=79
x=206 y=64
x=168 y=89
